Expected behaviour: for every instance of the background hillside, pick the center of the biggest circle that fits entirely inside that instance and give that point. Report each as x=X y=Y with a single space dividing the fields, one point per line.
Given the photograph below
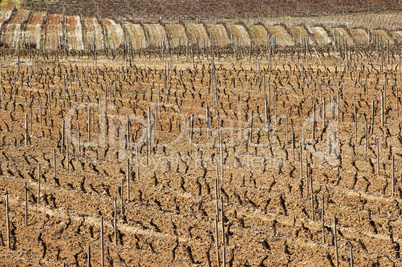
x=139 y=9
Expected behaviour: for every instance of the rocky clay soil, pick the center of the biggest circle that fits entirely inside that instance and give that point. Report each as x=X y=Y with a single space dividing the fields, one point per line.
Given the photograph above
x=170 y=178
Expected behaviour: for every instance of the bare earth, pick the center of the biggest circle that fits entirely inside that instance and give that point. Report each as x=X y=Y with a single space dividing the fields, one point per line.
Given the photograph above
x=277 y=172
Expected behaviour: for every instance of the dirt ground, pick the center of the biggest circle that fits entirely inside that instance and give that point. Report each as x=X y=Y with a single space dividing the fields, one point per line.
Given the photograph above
x=142 y=144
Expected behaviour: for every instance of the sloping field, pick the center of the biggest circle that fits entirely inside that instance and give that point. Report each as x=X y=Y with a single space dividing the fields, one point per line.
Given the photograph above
x=240 y=32
x=114 y=34
x=282 y=37
x=54 y=32
x=93 y=34
x=80 y=34
x=219 y=36
x=135 y=34
x=320 y=35
x=337 y=32
x=230 y=157
x=177 y=34
x=12 y=33
x=135 y=9
x=156 y=34
x=196 y=32
x=383 y=35
x=360 y=36
x=33 y=27
x=74 y=33
x=300 y=32
x=259 y=34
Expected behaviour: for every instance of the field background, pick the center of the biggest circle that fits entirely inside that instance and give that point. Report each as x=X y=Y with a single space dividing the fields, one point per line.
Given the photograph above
x=127 y=139
x=213 y=8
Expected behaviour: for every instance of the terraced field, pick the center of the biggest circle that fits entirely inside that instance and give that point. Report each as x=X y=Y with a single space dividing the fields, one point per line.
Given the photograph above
x=83 y=34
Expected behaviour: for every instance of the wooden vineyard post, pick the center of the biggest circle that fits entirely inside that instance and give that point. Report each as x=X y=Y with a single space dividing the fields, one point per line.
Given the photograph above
x=2 y=98
x=322 y=220
x=148 y=136
x=102 y=245
x=63 y=131
x=274 y=103
x=93 y=120
x=8 y=222
x=79 y=139
x=128 y=180
x=323 y=113
x=26 y=130
x=217 y=190
x=191 y=127
x=385 y=98
x=301 y=161
x=293 y=141
x=223 y=235
x=336 y=244
x=89 y=125
x=40 y=112
x=382 y=109
x=397 y=103
x=213 y=86
x=312 y=198
x=54 y=163
x=128 y=133
x=207 y=120
x=49 y=107
x=68 y=155
x=250 y=134
x=393 y=175
x=115 y=220
x=26 y=203
x=217 y=240
x=355 y=113
x=337 y=105
x=121 y=196
x=313 y=130
x=217 y=212
x=38 y=183
x=378 y=157
x=239 y=120
x=307 y=180
x=372 y=117
x=137 y=156
x=221 y=151
x=351 y=256
x=89 y=256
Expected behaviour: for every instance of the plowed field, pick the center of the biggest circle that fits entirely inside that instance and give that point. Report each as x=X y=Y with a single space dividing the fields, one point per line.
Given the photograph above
x=287 y=159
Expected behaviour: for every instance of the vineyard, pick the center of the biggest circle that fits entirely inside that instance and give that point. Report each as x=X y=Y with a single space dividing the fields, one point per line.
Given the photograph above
x=52 y=32
x=126 y=143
